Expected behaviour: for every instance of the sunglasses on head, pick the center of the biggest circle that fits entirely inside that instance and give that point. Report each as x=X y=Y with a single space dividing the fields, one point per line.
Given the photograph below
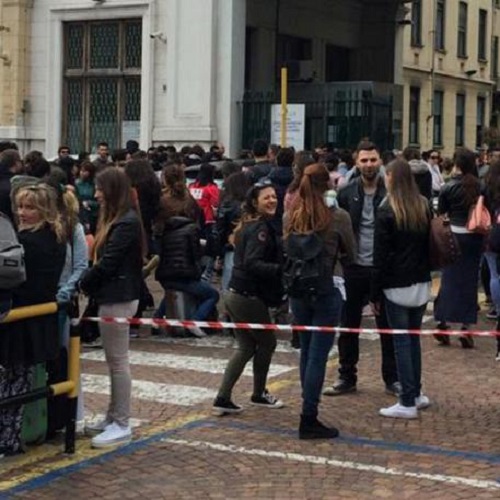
x=262 y=184
x=434 y=157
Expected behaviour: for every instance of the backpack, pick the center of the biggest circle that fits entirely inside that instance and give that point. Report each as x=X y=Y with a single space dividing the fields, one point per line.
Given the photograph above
x=303 y=272
x=12 y=269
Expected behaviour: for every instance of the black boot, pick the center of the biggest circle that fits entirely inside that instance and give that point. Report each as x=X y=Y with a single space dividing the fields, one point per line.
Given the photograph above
x=312 y=428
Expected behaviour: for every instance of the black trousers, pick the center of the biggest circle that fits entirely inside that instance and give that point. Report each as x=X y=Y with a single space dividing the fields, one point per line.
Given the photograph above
x=357 y=283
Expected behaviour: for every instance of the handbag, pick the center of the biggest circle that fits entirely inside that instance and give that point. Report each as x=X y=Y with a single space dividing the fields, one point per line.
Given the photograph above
x=444 y=248
x=479 y=218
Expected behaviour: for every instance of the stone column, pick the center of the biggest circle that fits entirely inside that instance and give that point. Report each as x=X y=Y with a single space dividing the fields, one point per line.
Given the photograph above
x=205 y=72
x=230 y=67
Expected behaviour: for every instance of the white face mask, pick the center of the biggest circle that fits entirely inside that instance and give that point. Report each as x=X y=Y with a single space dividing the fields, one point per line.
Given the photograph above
x=330 y=198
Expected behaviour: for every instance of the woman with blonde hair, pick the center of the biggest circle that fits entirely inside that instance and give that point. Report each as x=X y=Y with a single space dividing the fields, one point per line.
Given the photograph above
x=26 y=343
x=402 y=279
x=313 y=226
x=114 y=281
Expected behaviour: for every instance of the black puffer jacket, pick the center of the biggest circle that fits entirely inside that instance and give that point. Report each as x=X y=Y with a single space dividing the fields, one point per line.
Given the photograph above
x=400 y=257
x=258 y=262
x=180 y=252
x=117 y=275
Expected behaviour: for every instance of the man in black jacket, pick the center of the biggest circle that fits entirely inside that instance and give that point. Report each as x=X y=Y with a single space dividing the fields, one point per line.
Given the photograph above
x=10 y=165
x=361 y=198
x=262 y=166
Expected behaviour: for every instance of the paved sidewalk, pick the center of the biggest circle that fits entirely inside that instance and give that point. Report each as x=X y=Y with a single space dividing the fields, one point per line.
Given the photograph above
x=452 y=451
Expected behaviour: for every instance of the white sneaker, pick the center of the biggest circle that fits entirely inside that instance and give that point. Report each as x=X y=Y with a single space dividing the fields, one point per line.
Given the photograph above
x=94 y=427
x=422 y=402
x=399 y=411
x=112 y=436
x=197 y=331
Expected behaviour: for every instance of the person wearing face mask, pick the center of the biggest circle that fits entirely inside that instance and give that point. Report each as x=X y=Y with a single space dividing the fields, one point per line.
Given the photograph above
x=313 y=223
x=361 y=198
x=255 y=286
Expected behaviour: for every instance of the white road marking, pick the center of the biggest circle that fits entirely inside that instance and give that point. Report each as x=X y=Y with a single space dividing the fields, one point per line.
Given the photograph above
x=181 y=395
x=182 y=362
x=311 y=459
x=218 y=343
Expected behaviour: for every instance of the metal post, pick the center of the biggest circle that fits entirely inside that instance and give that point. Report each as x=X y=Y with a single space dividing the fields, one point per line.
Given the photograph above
x=74 y=377
x=284 y=104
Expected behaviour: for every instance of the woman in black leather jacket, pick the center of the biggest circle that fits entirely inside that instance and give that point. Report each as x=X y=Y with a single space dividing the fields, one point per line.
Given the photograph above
x=402 y=278
x=457 y=298
x=228 y=215
x=115 y=282
x=254 y=287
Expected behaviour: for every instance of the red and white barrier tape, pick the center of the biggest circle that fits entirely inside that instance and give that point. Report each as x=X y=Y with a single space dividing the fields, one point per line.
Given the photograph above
x=285 y=328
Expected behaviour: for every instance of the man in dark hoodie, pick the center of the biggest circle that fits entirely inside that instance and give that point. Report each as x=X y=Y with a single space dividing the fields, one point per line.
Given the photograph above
x=262 y=166
x=420 y=170
x=281 y=176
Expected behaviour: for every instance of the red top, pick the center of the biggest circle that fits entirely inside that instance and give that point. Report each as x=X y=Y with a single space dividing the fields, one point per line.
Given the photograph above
x=207 y=198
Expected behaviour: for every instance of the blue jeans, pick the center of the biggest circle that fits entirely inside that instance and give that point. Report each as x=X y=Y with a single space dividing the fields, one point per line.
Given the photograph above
x=491 y=259
x=205 y=295
x=323 y=310
x=227 y=269
x=407 y=349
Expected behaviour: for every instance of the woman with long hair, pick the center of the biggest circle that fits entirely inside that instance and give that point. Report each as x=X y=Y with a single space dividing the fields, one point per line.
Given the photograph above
x=313 y=223
x=229 y=213
x=255 y=286
x=402 y=278
x=148 y=188
x=302 y=160
x=457 y=298
x=178 y=229
x=26 y=343
x=114 y=281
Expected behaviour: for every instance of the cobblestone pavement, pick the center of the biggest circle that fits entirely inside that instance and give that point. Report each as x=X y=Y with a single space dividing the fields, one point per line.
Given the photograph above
x=180 y=451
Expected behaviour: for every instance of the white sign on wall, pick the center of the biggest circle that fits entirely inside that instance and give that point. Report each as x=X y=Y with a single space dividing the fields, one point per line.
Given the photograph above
x=130 y=130
x=296 y=125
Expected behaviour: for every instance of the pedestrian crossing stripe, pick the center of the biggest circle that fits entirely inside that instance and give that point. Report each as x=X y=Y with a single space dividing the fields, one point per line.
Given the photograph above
x=184 y=362
x=180 y=395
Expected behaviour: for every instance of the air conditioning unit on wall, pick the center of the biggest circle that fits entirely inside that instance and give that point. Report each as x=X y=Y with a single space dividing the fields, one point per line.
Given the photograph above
x=300 y=71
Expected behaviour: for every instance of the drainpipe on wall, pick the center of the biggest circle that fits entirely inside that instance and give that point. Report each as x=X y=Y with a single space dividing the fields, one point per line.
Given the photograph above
x=432 y=32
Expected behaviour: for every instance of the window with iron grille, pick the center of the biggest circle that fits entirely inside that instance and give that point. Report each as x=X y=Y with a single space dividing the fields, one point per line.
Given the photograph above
x=481 y=34
x=480 y=120
x=460 y=120
x=438 y=118
x=462 y=29
x=439 y=35
x=102 y=83
x=416 y=23
x=413 y=137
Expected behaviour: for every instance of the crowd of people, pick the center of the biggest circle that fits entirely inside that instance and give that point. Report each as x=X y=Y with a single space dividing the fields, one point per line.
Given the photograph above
x=310 y=238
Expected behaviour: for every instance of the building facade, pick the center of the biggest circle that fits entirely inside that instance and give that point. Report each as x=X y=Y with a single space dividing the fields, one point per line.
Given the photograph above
x=77 y=72
x=450 y=67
